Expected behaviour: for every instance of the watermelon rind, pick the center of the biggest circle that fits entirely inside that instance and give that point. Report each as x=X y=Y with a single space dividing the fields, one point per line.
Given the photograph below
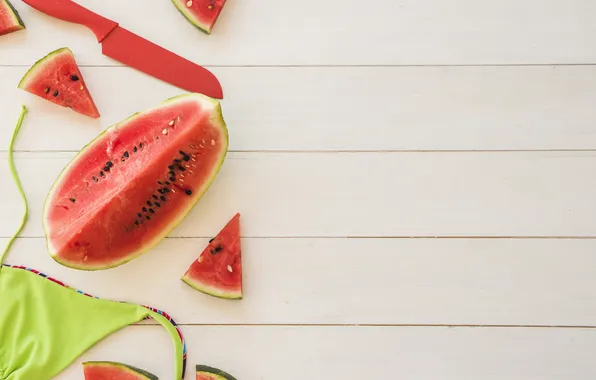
x=217 y=119
x=142 y=374
x=181 y=6
x=215 y=372
x=15 y=14
x=33 y=71
x=211 y=290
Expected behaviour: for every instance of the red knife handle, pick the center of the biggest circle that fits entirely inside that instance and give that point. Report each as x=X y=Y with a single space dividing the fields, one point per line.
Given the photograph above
x=68 y=10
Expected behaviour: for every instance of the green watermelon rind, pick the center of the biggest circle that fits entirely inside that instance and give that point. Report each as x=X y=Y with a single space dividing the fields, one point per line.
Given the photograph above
x=180 y=5
x=216 y=118
x=211 y=290
x=16 y=17
x=33 y=71
x=221 y=375
x=129 y=368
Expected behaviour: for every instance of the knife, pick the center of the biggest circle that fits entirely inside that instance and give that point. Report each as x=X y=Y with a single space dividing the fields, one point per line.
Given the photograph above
x=133 y=50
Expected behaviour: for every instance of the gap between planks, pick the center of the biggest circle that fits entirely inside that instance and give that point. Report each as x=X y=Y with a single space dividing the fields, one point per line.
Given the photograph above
x=373 y=325
x=331 y=66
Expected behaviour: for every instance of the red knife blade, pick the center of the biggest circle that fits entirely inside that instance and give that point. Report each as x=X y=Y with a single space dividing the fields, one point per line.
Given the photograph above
x=133 y=50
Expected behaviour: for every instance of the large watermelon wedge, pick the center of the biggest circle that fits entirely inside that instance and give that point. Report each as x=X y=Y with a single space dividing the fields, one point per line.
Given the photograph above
x=115 y=371
x=202 y=14
x=10 y=21
x=134 y=183
x=205 y=372
x=218 y=270
x=58 y=79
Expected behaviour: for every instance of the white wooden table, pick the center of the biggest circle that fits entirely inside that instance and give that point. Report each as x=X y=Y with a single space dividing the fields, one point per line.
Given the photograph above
x=417 y=180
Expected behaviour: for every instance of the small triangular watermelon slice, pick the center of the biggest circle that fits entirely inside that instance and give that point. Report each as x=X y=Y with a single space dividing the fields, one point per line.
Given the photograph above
x=210 y=373
x=57 y=78
x=10 y=21
x=218 y=270
x=202 y=14
x=115 y=371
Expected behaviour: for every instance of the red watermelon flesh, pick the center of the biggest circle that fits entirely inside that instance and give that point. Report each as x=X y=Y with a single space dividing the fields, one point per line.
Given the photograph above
x=10 y=21
x=57 y=78
x=202 y=14
x=210 y=373
x=114 y=371
x=218 y=270
x=134 y=183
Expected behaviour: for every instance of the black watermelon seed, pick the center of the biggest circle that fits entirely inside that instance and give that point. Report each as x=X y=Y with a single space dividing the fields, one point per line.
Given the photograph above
x=149 y=203
x=160 y=191
x=211 y=240
x=137 y=222
x=109 y=164
x=73 y=200
x=182 y=153
x=144 y=209
x=102 y=174
x=167 y=182
x=155 y=197
x=148 y=217
x=163 y=199
x=186 y=158
x=126 y=154
x=173 y=179
x=188 y=192
x=141 y=145
x=159 y=183
x=157 y=204
x=172 y=173
x=134 y=150
x=140 y=215
x=74 y=78
x=94 y=179
x=171 y=167
x=216 y=250
x=46 y=90
x=166 y=189
x=106 y=169
x=177 y=161
x=55 y=93
x=152 y=211
x=182 y=168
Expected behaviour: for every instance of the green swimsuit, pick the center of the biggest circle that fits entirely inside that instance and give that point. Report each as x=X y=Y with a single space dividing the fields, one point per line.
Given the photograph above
x=46 y=325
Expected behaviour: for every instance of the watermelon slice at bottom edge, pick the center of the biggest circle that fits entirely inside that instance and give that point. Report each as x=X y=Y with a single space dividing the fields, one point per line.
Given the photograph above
x=10 y=21
x=58 y=79
x=218 y=270
x=115 y=371
x=210 y=373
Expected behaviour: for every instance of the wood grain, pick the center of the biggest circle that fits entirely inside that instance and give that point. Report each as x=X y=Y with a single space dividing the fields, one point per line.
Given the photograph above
x=368 y=194
x=335 y=32
x=349 y=108
x=359 y=281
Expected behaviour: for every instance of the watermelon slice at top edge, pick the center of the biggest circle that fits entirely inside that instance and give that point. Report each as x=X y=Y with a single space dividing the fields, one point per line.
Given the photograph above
x=205 y=372
x=10 y=21
x=202 y=14
x=134 y=183
x=58 y=79
x=115 y=371
x=218 y=270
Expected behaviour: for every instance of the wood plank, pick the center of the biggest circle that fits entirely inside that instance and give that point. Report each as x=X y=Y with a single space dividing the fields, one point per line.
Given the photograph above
x=368 y=194
x=359 y=281
x=382 y=108
x=353 y=353
x=269 y=32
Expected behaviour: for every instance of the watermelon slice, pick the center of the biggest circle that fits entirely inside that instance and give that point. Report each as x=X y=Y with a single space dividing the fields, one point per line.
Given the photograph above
x=209 y=373
x=57 y=78
x=10 y=21
x=134 y=183
x=202 y=14
x=218 y=270
x=114 y=371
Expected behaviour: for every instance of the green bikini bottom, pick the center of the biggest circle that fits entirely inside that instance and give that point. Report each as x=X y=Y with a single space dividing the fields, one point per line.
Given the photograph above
x=46 y=325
